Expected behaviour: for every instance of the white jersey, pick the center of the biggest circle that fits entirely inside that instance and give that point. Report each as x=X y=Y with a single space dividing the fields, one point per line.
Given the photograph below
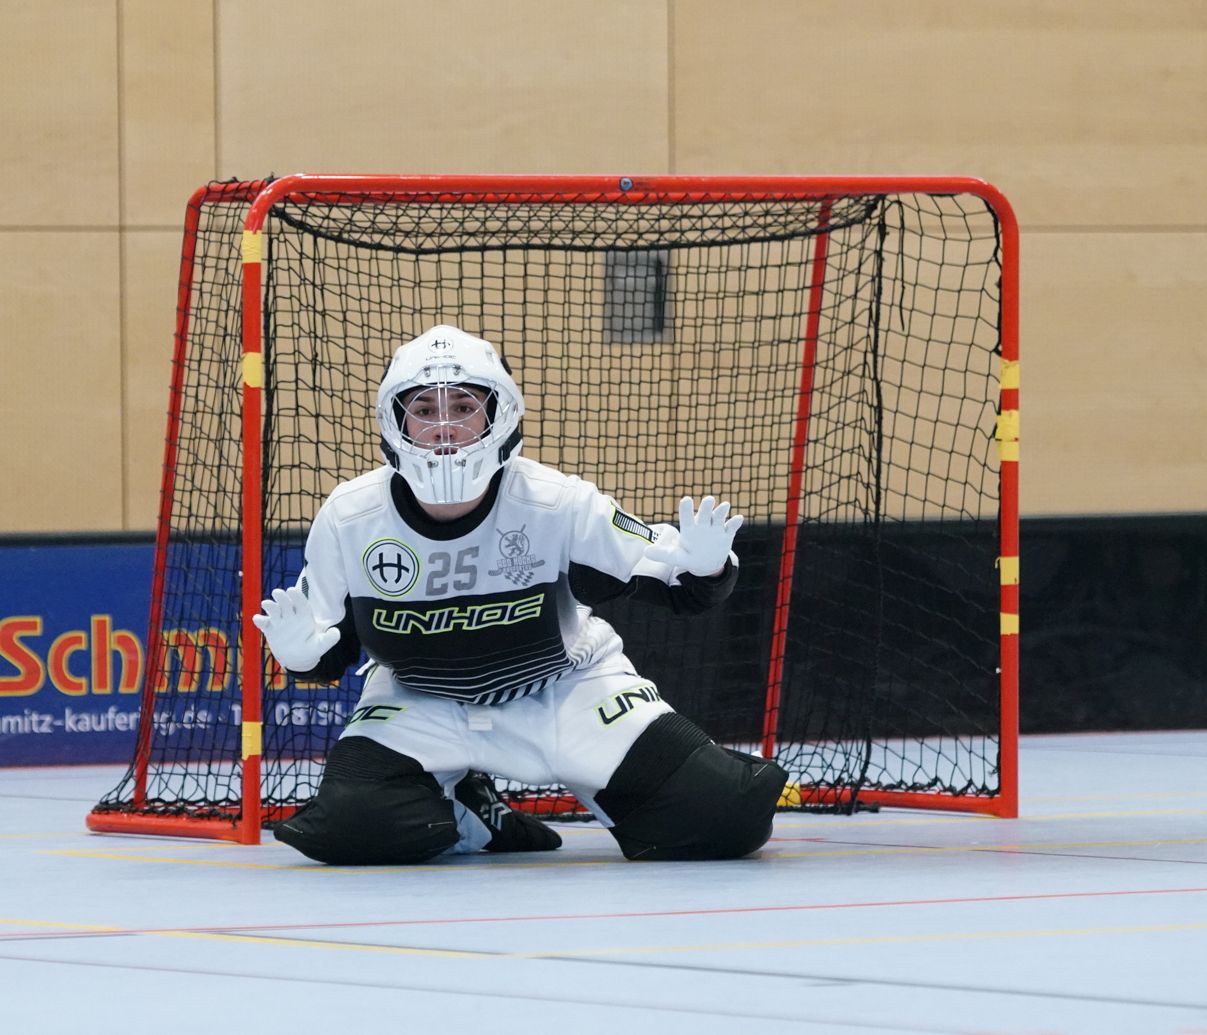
x=492 y=606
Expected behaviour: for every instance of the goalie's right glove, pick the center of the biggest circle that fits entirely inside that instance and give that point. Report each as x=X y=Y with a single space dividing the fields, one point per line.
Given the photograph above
x=705 y=537
x=293 y=636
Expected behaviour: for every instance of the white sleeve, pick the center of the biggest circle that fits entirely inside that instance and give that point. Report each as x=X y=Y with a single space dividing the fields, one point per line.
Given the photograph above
x=323 y=579
x=612 y=541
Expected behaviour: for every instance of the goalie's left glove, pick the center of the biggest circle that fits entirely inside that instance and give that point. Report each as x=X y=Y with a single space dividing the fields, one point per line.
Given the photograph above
x=705 y=537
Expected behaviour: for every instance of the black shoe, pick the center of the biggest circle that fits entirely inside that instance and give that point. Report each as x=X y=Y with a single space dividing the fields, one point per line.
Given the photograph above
x=513 y=831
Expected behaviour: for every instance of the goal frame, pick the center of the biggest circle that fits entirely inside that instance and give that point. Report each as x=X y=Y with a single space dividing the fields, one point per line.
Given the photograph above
x=263 y=195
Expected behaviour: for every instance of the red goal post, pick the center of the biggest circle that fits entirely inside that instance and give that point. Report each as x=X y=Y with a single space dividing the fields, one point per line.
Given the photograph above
x=755 y=213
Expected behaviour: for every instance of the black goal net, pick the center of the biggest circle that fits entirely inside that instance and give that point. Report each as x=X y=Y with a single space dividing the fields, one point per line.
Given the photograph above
x=829 y=361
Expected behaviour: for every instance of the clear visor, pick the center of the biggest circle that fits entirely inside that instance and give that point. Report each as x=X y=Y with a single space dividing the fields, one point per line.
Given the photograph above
x=444 y=418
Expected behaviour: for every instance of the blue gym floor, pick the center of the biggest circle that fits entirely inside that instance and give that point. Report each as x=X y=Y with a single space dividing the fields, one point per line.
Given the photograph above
x=1086 y=915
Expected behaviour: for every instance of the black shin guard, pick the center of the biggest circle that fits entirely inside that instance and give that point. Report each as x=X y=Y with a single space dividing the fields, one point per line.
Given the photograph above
x=374 y=807
x=677 y=795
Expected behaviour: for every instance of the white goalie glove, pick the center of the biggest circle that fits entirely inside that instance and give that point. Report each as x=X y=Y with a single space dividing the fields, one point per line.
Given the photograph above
x=705 y=537
x=293 y=635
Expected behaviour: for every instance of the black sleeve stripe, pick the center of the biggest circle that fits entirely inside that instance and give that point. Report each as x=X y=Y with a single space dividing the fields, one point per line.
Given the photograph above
x=628 y=523
x=693 y=595
x=591 y=586
x=701 y=592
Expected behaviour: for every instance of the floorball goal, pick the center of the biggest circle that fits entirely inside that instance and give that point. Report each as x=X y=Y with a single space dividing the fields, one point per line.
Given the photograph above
x=838 y=357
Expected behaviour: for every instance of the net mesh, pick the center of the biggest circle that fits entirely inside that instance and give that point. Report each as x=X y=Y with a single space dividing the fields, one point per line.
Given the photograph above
x=660 y=344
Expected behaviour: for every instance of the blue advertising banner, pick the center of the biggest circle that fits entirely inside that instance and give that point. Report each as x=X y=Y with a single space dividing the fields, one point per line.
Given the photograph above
x=73 y=620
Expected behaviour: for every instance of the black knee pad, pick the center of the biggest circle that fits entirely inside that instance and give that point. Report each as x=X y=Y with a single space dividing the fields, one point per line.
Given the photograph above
x=677 y=795
x=374 y=807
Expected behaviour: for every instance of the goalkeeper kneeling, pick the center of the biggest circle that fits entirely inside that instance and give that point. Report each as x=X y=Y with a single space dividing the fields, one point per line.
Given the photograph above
x=467 y=574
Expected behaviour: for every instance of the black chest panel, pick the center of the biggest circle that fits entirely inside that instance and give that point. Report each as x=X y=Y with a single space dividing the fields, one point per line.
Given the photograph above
x=484 y=649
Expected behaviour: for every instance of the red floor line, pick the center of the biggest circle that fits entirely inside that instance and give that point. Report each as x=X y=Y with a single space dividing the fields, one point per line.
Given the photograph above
x=807 y=907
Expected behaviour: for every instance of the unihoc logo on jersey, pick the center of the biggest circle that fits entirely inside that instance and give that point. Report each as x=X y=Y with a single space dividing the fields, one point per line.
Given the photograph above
x=623 y=703
x=471 y=617
x=391 y=566
x=376 y=713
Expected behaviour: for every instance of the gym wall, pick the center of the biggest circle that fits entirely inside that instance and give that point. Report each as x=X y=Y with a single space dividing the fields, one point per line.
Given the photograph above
x=1088 y=115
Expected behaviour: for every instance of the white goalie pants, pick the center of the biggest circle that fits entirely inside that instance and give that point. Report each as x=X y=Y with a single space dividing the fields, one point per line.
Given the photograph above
x=574 y=732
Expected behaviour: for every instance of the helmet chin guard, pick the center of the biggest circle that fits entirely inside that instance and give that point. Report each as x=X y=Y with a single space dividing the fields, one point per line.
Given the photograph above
x=448 y=469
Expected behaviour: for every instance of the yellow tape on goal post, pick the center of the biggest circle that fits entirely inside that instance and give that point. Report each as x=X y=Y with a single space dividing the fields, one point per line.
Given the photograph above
x=1007 y=434
x=253 y=739
x=253 y=369
x=252 y=248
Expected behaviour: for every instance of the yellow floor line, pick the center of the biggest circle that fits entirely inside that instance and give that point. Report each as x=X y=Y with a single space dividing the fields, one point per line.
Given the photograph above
x=17 y=921
x=990 y=848
x=315 y=943
x=769 y=855
x=1116 y=814
x=1163 y=795
x=34 y=834
x=885 y=939
x=320 y=869
x=864 y=820
x=778 y=944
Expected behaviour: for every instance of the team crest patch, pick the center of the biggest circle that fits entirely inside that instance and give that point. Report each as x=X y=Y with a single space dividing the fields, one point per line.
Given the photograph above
x=515 y=557
x=391 y=566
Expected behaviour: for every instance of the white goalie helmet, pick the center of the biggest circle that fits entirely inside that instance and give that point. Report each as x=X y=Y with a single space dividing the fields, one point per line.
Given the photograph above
x=449 y=414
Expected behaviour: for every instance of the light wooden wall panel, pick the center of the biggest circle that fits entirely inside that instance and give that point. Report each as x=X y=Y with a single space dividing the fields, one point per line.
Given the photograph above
x=1114 y=373
x=58 y=119
x=60 y=395
x=168 y=118
x=1088 y=116
x=152 y=262
x=476 y=86
x=1084 y=114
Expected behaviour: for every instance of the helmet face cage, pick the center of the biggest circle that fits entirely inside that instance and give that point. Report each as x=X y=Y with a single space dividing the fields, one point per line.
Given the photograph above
x=444 y=417
x=449 y=414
